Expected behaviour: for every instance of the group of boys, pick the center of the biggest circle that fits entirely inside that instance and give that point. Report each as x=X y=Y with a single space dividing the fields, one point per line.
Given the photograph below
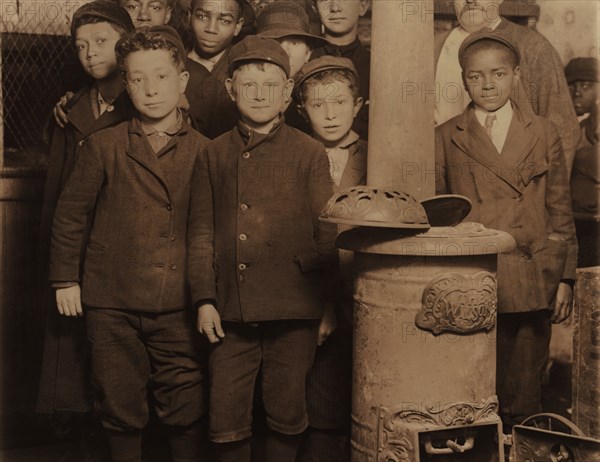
x=156 y=232
x=159 y=225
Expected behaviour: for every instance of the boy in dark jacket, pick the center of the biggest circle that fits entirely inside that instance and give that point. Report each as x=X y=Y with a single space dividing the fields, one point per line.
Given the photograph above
x=510 y=164
x=95 y=29
x=327 y=93
x=257 y=253
x=134 y=180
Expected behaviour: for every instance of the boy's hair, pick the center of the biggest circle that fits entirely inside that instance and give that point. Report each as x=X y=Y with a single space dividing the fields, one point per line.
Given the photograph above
x=488 y=45
x=258 y=64
x=102 y=11
x=327 y=76
x=152 y=38
x=245 y=10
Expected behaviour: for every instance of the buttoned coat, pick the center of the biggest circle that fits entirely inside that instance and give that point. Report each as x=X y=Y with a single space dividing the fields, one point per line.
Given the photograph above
x=64 y=379
x=255 y=244
x=524 y=191
x=542 y=84
x=135 y=257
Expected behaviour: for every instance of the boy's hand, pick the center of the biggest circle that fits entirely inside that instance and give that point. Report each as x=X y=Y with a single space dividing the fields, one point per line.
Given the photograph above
x=328 y=324
x=563 y=303
x=68 y=301
x=209 y=323
x=59 y=109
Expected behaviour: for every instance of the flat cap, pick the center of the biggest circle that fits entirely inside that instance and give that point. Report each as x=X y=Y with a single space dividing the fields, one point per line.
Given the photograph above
x=258 y=48
x=108 y=10
x=585 y=69
x=324 y=63
x=488 y=34
x=171 y=36
x=285 y=19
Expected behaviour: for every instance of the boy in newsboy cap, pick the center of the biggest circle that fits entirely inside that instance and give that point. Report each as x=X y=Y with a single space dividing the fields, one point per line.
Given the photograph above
x=510 y=164
x=133 y=180
x=257 y=257
x=95 y=29
x=327 y=94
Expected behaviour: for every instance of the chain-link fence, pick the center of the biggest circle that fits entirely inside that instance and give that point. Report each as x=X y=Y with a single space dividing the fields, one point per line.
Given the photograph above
x=37 y=67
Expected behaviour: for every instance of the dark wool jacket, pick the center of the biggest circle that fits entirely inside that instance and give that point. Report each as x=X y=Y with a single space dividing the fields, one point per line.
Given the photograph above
x=524 y=191
x=255 y=244
x=135 y=257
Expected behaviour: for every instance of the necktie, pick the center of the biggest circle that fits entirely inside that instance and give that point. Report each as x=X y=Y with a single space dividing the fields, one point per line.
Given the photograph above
x=489 y=122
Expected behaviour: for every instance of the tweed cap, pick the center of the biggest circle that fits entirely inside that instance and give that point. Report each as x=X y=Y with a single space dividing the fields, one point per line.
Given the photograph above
x=108 y=10
x=584 y=69
x=487 y=34
x=324 y=63
x=285 y=19
x=256 y=47
x=171 y=36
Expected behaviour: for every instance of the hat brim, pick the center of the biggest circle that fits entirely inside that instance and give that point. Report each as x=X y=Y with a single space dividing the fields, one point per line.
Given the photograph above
x=446 y=209
x=279 y=32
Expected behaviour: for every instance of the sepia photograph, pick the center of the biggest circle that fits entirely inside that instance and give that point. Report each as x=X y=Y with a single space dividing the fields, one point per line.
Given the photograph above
x=299 y=231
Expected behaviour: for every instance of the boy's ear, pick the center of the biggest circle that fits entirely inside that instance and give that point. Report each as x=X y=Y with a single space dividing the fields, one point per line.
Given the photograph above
x=364 y=6
x=517 y=74
x=238 y=26
x=303 y=112
x=168 y=16
x=357 y=105
x=184 y=77
x=230 y=89
x=288 y=89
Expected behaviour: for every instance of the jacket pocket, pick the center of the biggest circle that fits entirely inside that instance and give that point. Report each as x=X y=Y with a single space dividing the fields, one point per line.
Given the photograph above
x=310 y=262
x=533 y=171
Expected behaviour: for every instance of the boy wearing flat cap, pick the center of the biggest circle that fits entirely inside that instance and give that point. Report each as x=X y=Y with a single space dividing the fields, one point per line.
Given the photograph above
x=582 y=77
x=510 y=164
x=258 y=257
x=133 y=180
x=287 y=22
x=95 y=29
x=327 y=93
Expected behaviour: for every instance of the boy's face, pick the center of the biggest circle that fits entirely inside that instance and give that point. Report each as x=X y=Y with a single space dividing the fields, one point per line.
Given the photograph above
x=147 y=12
x=154 y=83
x=298 y=51
x=260 y=95
x=474 y=15
x=489 y=78
x=330 y=108
x=95 y=44
x=584 y=95
x=340 y=17
x=215 y=24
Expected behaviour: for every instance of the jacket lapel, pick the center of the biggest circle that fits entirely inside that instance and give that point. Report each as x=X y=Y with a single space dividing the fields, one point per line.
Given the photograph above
x=139 y=150
x=80 y=115
x=355 y=171
x=82 y=118
x=520 y=139
x=473 y=141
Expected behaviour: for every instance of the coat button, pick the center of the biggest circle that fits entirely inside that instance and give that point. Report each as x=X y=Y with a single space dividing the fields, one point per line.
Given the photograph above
x=81 y=143
x=172 y=238
x=173 y=267
x=169 y=207
x=244 y=207
x=243 y=237
x=246 y=155
x=242 y=266
x=519 y=199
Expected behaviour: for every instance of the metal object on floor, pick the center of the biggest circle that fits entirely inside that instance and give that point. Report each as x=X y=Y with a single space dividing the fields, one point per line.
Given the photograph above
x=537 y=439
